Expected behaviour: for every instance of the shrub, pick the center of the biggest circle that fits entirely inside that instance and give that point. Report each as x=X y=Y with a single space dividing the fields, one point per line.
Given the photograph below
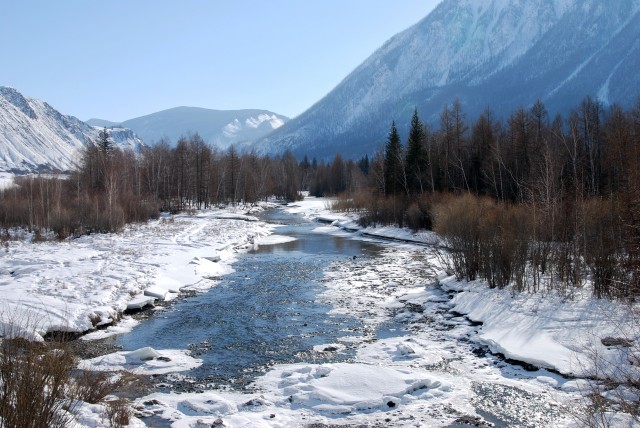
x=40 y=386
x=603 y=251
x=118 y=412
x=485 y=239
x=459 y=222
x=33 y=381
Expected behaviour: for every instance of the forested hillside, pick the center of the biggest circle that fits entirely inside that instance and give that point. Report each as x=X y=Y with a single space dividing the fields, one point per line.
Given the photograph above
x=541 y=202
x=536 y=201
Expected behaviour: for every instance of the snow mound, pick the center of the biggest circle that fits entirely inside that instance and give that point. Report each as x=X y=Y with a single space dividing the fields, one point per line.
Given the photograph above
x=142 y=354
x=347 y=388
x=145 y=361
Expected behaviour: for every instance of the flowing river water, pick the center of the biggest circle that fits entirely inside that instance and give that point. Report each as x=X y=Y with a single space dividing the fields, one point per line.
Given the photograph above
x=263 y=314
x=268 y=312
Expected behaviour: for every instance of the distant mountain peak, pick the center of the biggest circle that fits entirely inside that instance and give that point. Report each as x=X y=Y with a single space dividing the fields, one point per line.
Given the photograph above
x=17 y=100
x=35 y=137
x=222 y=128
x=272 y=120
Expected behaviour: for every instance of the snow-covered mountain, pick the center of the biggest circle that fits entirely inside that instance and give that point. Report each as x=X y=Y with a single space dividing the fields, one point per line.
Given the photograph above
x=35 y=137
x=220 y=127
x=502 y=53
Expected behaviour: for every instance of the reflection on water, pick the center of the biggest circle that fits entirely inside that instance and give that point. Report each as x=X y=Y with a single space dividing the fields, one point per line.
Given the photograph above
x=267 y=312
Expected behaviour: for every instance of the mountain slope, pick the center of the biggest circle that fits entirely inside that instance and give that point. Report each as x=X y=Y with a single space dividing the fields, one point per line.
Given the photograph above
x=220 y=127
x=34 y=137
x=102 y=123
x=503 y=53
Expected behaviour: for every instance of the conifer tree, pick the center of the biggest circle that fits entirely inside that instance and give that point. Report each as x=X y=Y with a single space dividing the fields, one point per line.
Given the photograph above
x=363 y=164
x=416 y=155
x=393 y=167
x=104 y=142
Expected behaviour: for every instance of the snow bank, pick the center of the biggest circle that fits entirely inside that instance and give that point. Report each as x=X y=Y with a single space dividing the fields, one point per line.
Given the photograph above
x=125 y=325
x=350 y=388
x=299 y=394
x=318 y=209
x=78 y=284
x=546 y=330
x=144 y=361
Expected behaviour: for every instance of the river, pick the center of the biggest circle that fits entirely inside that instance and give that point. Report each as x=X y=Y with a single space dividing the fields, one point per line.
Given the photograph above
x=274 y=309
x=265 y=313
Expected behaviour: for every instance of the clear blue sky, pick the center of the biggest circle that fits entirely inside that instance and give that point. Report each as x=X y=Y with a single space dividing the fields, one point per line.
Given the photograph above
x=120 y=59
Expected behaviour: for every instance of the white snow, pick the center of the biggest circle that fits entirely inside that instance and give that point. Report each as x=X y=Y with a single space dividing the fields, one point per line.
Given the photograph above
x=34 y=134
x=250 y=128
x=140 y=302
x=76 y=284
x=343 y=388
x=144 y=361
x=274 y=240
x=232 y=128
x=124 y=325
x=274 y=121
x=6 y=180
x=425 y=375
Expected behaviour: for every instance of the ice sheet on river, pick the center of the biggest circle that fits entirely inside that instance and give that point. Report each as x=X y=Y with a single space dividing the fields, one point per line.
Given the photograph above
x=274 y=240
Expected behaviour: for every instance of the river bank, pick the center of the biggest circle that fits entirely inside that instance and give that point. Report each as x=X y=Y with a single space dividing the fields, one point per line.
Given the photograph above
x=434 y=373
x=429 y=373
x=79 y=284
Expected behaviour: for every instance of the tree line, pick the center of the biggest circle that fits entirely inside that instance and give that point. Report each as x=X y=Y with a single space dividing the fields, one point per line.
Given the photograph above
x=531 y=201
x=112 y=187
x=556 y=201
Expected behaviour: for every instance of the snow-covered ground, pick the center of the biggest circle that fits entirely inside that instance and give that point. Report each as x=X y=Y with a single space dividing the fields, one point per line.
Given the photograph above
x=544 y=329
x=6 y=180
x=81 y=283
x=431 y=375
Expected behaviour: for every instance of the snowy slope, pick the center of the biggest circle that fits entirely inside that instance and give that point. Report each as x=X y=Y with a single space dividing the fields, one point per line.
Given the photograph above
x=220 y=127
x=36 y=137
x=503 y=53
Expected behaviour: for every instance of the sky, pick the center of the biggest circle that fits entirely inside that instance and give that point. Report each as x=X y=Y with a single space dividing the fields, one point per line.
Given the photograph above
x=121 y=59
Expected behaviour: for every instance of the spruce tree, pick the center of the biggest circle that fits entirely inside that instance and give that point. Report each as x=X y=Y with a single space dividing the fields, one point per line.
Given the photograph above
x=104 y=142
x=363 y=164
x=416 y=159
x=393 y=168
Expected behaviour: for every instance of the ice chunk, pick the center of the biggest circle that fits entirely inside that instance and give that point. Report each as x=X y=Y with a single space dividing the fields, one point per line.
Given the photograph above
x=274 y=240
x=140 y=302
x=157 y=292
x=143 y=354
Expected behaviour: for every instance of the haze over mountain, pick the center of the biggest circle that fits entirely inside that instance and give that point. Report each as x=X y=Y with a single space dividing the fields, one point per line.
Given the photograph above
x=35 y=137
x=502 y=53
x=220 y=127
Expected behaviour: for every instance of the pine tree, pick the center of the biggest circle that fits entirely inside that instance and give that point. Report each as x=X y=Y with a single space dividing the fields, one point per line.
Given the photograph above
x=104 y=142
x=416 y=155
x=393 y=167
x=363 y=164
